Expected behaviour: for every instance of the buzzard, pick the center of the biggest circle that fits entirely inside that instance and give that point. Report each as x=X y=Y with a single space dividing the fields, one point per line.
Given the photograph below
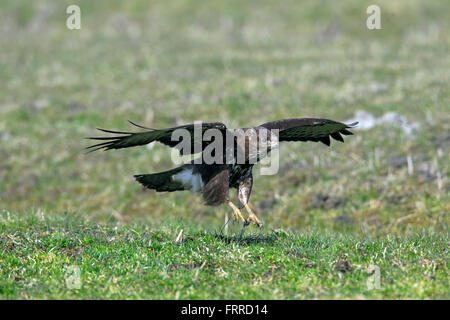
x=214 y=178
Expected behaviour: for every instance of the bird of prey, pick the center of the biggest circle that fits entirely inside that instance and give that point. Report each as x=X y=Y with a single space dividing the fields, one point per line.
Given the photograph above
x=215 y=179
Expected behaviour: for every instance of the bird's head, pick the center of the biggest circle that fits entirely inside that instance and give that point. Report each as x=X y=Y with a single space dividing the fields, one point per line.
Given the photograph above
x=254 y=143
x=267 y=139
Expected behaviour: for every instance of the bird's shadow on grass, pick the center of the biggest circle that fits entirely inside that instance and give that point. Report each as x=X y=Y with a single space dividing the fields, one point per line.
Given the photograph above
x=247 y=239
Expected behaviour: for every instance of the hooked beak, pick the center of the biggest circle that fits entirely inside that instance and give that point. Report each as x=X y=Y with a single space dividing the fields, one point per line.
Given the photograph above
x=274 y=144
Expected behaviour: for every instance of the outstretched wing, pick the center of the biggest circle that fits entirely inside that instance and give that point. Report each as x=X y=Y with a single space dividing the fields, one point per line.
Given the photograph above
x=132 y=139
x=310 y=129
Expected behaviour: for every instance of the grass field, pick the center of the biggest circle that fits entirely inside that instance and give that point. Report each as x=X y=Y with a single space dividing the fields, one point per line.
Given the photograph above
x=381 y=198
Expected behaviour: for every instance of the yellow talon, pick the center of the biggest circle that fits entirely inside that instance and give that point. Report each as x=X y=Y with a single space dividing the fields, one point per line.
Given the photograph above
x=252 y=217
x=236 y=212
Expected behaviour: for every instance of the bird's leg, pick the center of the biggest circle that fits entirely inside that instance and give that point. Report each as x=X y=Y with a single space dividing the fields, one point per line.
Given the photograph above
x=236 y=212
x=252 y=217
x=244 y=190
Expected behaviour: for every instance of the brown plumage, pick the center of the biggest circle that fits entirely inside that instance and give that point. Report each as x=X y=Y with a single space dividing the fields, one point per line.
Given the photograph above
x=214 y=180
x=215 y=191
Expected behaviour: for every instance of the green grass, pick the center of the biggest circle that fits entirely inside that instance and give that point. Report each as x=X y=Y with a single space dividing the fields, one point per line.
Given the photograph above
x=139 y=261
x=243 y=63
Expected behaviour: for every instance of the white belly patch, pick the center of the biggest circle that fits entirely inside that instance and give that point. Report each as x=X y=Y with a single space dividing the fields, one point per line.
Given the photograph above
x=189 y=180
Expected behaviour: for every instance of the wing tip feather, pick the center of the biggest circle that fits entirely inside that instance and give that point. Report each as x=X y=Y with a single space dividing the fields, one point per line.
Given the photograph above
x=139 y=126
x=352 y=125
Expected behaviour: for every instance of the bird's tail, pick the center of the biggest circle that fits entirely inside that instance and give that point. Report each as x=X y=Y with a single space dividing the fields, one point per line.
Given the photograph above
x=162 y=181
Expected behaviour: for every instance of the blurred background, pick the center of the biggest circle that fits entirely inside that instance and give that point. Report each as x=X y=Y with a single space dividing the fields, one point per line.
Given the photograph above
x=167 y=63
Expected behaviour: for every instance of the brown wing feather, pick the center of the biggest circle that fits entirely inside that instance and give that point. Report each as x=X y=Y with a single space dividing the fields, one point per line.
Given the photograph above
x=310 y=129
x=132 y=139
